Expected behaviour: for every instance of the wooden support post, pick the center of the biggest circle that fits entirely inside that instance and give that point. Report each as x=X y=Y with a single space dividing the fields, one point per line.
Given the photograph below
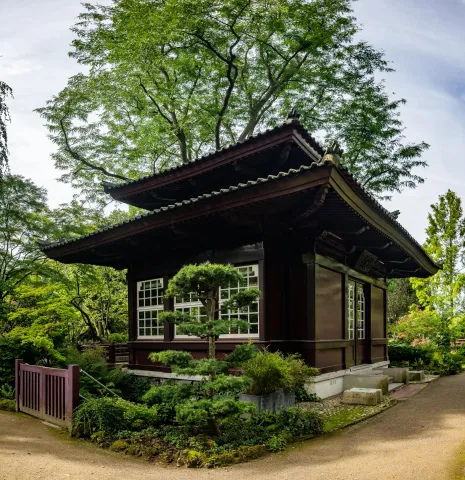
x=18 y=363
x=72 y=393
x=111 y=353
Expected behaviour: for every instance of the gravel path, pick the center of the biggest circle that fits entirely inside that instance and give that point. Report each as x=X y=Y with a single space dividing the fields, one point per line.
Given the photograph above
x=420 y=438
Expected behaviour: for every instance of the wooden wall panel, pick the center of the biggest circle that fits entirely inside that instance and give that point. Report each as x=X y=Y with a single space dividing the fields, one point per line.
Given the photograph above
x=330 y=360
x=378 y=328
x=329 y=304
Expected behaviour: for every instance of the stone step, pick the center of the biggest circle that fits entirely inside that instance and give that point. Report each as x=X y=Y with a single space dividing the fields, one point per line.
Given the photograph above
x=390 y=380
x=392 y=387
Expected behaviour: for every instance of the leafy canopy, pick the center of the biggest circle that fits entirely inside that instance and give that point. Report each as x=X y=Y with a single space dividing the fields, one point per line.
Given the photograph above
x=5 y=92
x=167 y=81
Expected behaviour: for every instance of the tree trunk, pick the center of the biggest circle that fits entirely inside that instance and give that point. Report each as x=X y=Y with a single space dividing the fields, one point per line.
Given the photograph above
x=211 y=348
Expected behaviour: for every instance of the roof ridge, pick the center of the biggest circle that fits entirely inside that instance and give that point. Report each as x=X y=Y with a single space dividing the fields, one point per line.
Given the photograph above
x=109 y=186
x=45 y=245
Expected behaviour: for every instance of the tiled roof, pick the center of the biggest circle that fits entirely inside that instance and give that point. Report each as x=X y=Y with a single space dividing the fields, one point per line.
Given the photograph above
x=46 y=246
x=109 y=186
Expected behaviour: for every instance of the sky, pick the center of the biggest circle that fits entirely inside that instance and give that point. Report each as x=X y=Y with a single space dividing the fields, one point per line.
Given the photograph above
x=424 y=40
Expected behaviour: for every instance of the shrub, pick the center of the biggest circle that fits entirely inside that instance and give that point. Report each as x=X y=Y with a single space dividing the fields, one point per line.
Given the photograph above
x=401 y=352
x=272 y=371
x=117 y=338
x=172 y=358
x=447 y=364
x=10 y=349
x=277 y=443
x=7 y=405
x=301 y=395
x=7 y=392
x=299 y=422
x=131 y=387
x=110 y=415
x=206 y=414
x=241 y=354
x=167 y=396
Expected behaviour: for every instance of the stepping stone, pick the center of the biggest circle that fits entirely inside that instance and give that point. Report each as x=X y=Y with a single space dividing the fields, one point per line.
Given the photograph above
x=416 y=376
x=362 y=396
x=395 y=386
x=409 y=391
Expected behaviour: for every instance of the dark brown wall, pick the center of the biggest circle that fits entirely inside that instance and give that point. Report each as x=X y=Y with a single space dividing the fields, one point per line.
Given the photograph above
x=329 y=304
x=378 y=324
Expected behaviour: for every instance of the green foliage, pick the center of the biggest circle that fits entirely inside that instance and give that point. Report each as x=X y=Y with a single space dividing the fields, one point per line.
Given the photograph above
x=443 y=293
x=417 y=327
x=272 y=371
x=117 y=338
x=226 y=385
x=402 y=352
x=166 y=81
x=7 y=391
x=7 y=405
x=400 y=297
x=23 y=218
x=277 y=443
x=242 y=353
x=447 y=364
x=299 y=422
x=5 y=92
x=206 y=413
x=204 y=282
x=167 y=396
x=110 y=415
x=301 y=395
x=172 y=358
x=10 y=349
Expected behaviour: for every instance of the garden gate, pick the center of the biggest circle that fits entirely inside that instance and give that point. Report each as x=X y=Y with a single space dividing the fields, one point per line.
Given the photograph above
x=50 y=394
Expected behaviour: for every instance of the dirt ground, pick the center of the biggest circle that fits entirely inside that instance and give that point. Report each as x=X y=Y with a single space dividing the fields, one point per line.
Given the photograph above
x=420 y=438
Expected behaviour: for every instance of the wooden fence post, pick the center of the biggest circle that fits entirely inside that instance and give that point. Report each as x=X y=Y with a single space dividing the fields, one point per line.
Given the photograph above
x=18 y=363
x=72 y=399
x=111 y=353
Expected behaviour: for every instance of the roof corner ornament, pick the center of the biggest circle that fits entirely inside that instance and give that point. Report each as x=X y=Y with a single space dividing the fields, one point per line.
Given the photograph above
x=395 y=214
x=293 y=116
x=332 y=154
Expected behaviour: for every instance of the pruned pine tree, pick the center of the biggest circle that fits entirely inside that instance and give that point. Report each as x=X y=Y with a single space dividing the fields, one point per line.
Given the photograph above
x=203 y=282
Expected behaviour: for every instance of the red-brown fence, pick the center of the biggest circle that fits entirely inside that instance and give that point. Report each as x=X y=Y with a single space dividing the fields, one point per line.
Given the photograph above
x=50 y=394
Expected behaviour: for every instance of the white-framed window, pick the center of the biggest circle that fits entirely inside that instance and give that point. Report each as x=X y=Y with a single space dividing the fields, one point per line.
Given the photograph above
x=351 y=311
x=190 y=305
x=194 y=307
x=149 y=304
x=249 y=314
x=360 y=313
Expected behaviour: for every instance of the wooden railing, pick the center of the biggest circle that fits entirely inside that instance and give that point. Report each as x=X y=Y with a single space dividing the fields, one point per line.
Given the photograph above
x=50 y=394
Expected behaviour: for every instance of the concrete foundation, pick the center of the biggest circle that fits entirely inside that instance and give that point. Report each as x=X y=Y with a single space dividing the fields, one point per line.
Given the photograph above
x=362 y=396
x=271 y=403
x=399 y=375
x=367 y=381
x=416 y=376
x=329 y=384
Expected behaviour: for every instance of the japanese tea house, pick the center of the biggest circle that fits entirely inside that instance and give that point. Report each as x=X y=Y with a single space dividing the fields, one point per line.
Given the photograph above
x=292 y=219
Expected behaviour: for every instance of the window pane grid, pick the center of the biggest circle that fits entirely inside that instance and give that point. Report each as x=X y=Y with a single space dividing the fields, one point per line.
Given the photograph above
x=350 y=313
x=248 y=314
x=360 y=314
x=150 y=303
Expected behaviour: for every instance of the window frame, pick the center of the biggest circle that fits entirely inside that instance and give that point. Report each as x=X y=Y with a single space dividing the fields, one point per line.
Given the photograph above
x=227 y=336
x=159 y=307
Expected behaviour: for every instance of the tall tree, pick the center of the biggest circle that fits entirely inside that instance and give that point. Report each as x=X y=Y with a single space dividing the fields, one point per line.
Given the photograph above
x=167 y=81
x=5 y=92
x=445 y=243
x=401 y=296
x=23 y=219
